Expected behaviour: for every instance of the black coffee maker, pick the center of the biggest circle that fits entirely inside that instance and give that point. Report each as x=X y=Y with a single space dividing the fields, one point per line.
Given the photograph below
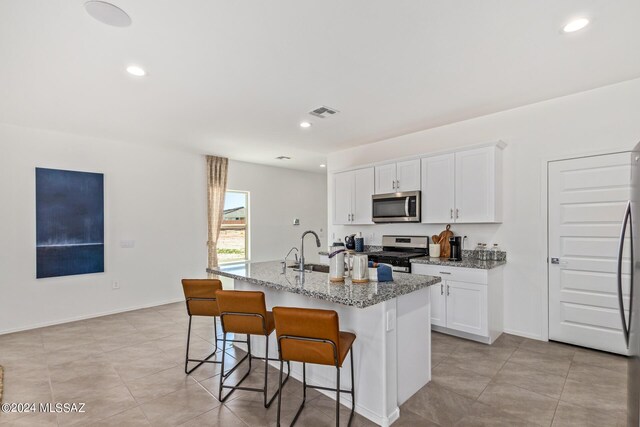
x=456 y=248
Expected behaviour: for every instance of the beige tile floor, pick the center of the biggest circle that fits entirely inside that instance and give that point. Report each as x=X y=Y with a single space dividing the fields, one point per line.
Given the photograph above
x=128 y=369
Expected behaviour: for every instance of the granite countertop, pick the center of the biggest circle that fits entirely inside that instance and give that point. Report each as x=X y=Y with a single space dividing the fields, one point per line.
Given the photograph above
x=465 y=263
x=317 y=284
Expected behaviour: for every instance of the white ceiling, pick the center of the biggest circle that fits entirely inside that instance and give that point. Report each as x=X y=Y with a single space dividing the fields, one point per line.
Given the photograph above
x=235 y=78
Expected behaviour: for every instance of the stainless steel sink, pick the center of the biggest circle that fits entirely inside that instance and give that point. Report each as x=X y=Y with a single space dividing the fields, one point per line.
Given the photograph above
x=322 y=268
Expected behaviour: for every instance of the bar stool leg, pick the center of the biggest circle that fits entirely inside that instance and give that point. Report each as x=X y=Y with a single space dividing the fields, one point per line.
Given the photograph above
x=215 y=334
x=353 y=390
x=224 y=375
x=337 y=396
x=224 y=345
x=186 y=358
x=279 y=393
x=266 y=370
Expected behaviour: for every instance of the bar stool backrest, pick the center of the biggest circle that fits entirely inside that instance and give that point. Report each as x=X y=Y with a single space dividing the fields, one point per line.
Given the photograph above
x=200 y=295
x=242 y=312
x=308 y=335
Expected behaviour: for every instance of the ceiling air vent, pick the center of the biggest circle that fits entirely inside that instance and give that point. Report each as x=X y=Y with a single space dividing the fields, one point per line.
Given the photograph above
x=323 y=112
x=283 y=158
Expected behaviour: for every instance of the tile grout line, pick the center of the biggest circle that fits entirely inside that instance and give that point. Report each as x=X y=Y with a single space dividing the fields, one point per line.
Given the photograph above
x=563 y=386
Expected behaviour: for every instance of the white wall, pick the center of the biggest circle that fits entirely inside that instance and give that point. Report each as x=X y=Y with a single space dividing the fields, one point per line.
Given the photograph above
x=154 y=196
x=600 y=120
x=277 y=196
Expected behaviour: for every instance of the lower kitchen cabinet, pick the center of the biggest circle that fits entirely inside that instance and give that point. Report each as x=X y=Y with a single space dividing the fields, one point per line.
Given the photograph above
x=467 y=303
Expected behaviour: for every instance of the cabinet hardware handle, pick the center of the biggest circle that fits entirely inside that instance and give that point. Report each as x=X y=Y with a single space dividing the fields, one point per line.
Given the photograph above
x=444 y=272
x=447 y=290
x=393 y=184
x=457 y=213
x=441 y=289
x=451 y=214
x=397 y=184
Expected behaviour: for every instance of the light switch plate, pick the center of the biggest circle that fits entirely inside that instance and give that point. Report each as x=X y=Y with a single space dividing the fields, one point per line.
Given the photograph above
x=127 y=244
x=391 y=320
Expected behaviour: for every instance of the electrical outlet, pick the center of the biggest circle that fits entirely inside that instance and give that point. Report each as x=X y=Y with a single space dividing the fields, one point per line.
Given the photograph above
x=115 y=285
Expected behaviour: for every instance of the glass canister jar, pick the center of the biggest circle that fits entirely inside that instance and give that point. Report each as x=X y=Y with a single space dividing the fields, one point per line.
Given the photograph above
x=494 y=253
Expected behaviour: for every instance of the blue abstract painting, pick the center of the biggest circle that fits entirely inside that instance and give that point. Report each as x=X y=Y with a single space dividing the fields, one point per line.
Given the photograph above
x=69 y=222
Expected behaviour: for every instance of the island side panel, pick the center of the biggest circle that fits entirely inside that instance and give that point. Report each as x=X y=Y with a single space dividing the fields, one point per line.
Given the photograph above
x=375 y=353
x=414 y=343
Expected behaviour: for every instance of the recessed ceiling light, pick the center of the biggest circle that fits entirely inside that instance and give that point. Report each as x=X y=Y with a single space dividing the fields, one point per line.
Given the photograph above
x=305 y=124
x=134 y=70
x=323 y=166
x=107 y=13
x=575 y=25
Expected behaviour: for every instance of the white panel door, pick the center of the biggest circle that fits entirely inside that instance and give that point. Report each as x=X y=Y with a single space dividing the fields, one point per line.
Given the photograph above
x=438 y=305
x=467 y=307
x=438 y=189
x=475 y=185
x=363 y=186
x=408 y=175
x=587 y=200
x=342 y=190
x=385 y=179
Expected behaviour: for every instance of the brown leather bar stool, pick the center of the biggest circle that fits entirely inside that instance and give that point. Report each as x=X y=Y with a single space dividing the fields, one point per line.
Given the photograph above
x=313 y=336
x=200 y=297
x=245 y=312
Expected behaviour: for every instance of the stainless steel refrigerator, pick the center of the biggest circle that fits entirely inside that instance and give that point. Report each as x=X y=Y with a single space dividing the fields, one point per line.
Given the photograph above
x=631 y=322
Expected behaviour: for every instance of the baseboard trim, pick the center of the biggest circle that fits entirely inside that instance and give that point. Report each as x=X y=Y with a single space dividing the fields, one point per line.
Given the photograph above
x=89 y=316
x=524 y=334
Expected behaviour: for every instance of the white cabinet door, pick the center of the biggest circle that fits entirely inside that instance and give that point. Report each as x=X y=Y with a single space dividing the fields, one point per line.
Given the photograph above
x=362 y=191
x=385 y=178
x=408 y=175
x=438 y=305
x=438 y=188
x=467 y=307
x=342 y=199
x=475 y=185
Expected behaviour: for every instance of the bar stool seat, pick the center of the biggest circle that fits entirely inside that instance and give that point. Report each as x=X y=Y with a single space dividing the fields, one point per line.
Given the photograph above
x=313 y=336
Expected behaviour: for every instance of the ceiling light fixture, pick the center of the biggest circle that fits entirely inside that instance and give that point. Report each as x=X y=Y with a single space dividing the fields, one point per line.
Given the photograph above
x=305 y=125
x=134 y=70
x=323 y=165
x=107 y=13
x=575 y=25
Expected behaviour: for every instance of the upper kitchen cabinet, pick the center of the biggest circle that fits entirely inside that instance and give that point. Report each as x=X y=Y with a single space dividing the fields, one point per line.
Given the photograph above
x=463 y=187
x=352 y=191
x=438 y=187
x=398 y=177
x=478 y=185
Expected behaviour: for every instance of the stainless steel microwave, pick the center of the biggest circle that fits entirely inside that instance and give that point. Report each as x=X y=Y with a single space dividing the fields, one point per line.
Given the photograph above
x=396 y=207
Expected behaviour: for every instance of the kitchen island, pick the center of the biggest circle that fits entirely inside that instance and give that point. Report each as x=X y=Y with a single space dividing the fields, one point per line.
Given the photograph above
x=392 y=352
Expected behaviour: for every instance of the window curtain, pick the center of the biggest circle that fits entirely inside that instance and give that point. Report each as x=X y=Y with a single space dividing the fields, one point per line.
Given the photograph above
x=216 y=187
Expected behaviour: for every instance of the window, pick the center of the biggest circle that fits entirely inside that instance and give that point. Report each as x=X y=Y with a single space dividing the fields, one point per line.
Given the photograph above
x=234 y=232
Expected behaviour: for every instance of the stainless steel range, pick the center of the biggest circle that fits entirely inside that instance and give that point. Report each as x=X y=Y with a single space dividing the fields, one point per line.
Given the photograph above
x=398 y=251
